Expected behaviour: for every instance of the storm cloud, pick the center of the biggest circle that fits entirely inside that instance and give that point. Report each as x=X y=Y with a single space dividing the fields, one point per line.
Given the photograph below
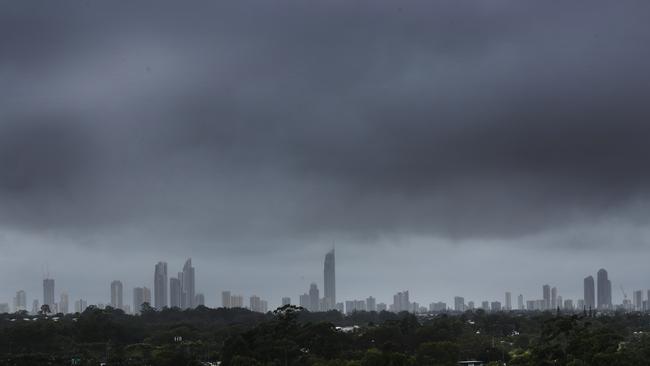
x=260 y=127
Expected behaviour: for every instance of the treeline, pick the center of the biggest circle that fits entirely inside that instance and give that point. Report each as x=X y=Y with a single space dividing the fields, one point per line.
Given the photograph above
x=292 y=336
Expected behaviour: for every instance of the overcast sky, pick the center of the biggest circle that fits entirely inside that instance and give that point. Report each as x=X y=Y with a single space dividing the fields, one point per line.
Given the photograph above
x=445 y=147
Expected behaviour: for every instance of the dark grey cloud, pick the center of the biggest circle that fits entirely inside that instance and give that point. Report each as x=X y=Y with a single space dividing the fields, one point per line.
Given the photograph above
x=235 y=123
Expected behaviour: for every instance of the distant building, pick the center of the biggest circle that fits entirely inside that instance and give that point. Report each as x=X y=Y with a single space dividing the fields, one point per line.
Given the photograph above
x=485 y=305
x=437 y=307
x=546 y=292
x=305 y=301
x=20 y=301
x=258 y=305
x=116 y=295
x=604 y=295
x=141 y=295
x=174 y=293
x=339 y=307
x=459 y=303
x=225 y=299
x=508 y=301
x=199 y=300
x=48 y=292
x=187 y=285
x=314 y=298
x=35 y=307
x=470 y=305
x=401 y=302
x=495 y=306
x=568 y=305
x=236 y=301
x=4 y=308
x=63 y=303
x=638 y=300
x=520 y=302
x=80 y=305
x=329 y=274
x=286 y=301
x=589 y=293
x=554 y=303
x=382 y=307
x=371 y=304
x=160 y=285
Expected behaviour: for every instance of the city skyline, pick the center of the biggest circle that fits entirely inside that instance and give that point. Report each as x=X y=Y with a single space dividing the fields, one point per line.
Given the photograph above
x=550 y=298
x=437 y=144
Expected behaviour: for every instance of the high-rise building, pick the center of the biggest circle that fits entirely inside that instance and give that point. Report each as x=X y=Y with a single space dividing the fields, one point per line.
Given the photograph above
x=371 y=304
x=568 y=305
x=160 y=285
x=604 y=295
x=225 y=299
x=63 y=303
x=236 y=301
x=20 y=301
x=48 y=292
x=485 y=305
x=305 y=301
x=35 y=307
x=286 y=301
x=258 y=305
x=314 y=298
x=80 y=306
x=174 y=293
x=520 y=302
x=508 y=301
x=141 y=295
x=199 y=300
x=589 y=293
x=559 y=302
x=554 y=303
x=459 y=303
x=638 y=300
x=546 y=292
x=401 y=302
x=116 y=295
x=495 y=306
x=187 y=285
x=330 y=280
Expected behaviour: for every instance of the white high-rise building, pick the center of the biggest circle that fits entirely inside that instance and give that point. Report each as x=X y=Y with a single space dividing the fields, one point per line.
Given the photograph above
x=187 y=285
x=20 y=301
x=63 y=303
x=508 y=301
x=117 y=295
x=160 y=285
x=225 y=299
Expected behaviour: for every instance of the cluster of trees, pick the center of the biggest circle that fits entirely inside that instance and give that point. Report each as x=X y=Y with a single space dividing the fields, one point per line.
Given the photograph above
x=292 y=336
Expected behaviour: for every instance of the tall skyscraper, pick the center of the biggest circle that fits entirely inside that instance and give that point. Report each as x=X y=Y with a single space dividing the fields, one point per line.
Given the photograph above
x=63 y=303
x=187 y=285
x=314 y=298
x=20 y=301
x=305 y=301
x=116 y=295
x=546 y=292
x=520 y=302
x=174 y=293
x=638 y=300
x=330 y=280
x=35 y=307
x=508 y=301
x=604 y=295
x=160 y=285
x=459 y=303
x=225 y=299
x=48 y=292
x=589 y=293
x=554 y=303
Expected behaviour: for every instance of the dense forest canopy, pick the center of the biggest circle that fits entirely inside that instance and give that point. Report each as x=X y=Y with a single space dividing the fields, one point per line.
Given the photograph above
x=293 y=336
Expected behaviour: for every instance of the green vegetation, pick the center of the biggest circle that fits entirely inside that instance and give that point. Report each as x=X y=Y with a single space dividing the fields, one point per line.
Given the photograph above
x=291 y=336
